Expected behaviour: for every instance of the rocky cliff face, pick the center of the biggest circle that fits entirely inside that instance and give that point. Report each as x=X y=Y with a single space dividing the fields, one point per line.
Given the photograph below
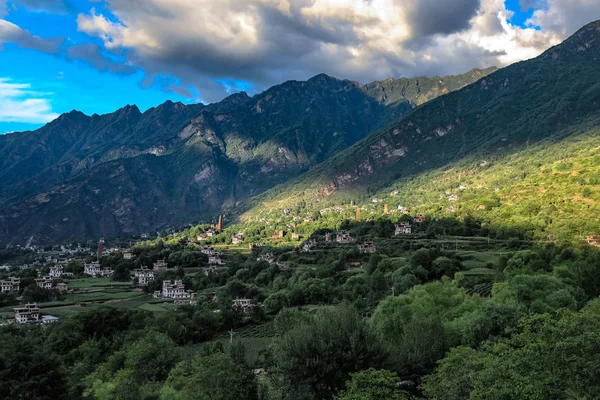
x=85 y=177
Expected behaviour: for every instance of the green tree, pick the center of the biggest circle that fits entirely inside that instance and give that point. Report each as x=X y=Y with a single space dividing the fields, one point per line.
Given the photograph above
x=319 y=355
x=373 y=384
x=210 y=377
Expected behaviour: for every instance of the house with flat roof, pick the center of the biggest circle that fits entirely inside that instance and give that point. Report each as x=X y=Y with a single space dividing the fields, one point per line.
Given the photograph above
x=344 y=237
x=10 y=285
x=94 y=269
x=403 y=228
x=173 y=290
x=308 y=246
x=238 y=239
x=160 y=265
x=44 y=282
x=367 y=247
x=144 y=275
x=30 y=314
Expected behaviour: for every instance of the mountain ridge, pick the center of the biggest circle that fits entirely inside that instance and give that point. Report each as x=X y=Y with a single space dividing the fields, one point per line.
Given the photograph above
x=212 y=156
x=551 y=96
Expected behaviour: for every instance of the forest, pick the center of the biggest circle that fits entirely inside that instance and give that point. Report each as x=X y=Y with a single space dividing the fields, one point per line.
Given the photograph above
x=445 y=313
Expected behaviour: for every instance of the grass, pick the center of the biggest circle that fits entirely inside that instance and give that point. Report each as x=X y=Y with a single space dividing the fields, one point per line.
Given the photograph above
x=101 y=296
x=96 y=283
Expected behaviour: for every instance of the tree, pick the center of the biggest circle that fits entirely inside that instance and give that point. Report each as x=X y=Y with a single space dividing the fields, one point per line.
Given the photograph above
x=152 y=357
x=27 y=371
x=373 y=384
x=319 y=355
x=210 y=377
x=549 y=356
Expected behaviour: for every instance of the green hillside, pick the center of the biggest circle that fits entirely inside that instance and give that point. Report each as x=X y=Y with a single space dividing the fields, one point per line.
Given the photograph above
x=528 y=130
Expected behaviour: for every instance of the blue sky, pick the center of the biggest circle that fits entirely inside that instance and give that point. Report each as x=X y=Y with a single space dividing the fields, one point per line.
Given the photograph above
x=52 y=74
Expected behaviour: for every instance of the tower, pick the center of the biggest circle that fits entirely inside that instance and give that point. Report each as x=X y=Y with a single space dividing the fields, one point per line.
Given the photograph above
x=220 y=223
x=358 y=214
x=385 y=209
x=100 y=248
x=352 y=204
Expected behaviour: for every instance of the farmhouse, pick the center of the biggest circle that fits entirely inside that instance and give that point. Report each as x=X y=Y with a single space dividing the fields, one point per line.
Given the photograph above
x=238 y=239
x=418 y=219
x=367 y=247
x=44 y=282
x=344 y=237
x=215 y=259
x=268 y=257
x=160 y=265
x=62 y=287
x=244 y=304
x=308 y=246
x=403 y=228
x=30 y=314
x=208 y=250
x=127 y=255
x=94 y=269
x=10 y=285
x=144 y=275
x=175 y=290
x=57 y=272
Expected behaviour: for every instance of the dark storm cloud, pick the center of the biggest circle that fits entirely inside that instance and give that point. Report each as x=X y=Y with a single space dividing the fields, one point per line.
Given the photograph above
x=435 y=17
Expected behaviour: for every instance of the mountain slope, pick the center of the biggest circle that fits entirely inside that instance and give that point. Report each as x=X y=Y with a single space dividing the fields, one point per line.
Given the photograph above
x=89 y=176
x=546 y=98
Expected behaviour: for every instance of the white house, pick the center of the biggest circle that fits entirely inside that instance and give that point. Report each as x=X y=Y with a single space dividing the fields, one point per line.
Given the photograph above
x=268 y=257
x=175 y=290
x=244 y=304
x=308 y=246
x=44 y=282
x=144 y=275
x=127 y=255
x=10 y=285
x=403 y=228
x=215 y=259
x=94 y=269
x=28 y=314
x=208 y=250
x=237 y=239
x=58 y=271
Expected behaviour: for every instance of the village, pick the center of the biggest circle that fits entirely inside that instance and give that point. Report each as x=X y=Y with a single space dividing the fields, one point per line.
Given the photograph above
x=94 y=285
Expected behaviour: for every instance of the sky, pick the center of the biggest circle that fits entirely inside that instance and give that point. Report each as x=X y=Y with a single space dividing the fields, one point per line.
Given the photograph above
x=99 y=55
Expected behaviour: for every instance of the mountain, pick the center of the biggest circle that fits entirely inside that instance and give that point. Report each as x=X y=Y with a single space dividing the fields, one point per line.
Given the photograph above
x=127 y=172
x=539 y=107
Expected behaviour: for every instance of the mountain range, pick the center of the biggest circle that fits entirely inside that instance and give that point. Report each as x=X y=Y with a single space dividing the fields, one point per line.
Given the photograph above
x=85 y=177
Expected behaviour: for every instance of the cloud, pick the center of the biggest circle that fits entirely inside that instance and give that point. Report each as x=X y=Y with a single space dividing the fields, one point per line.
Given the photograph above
x=191 y=47
x=565 y=17
x=19 y=103
x=11 y=33
x=267 y=41
x=92 y=54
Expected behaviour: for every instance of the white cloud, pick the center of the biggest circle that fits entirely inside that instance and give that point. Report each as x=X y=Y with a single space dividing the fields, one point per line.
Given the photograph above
x=20 y=103
x=267 y=41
